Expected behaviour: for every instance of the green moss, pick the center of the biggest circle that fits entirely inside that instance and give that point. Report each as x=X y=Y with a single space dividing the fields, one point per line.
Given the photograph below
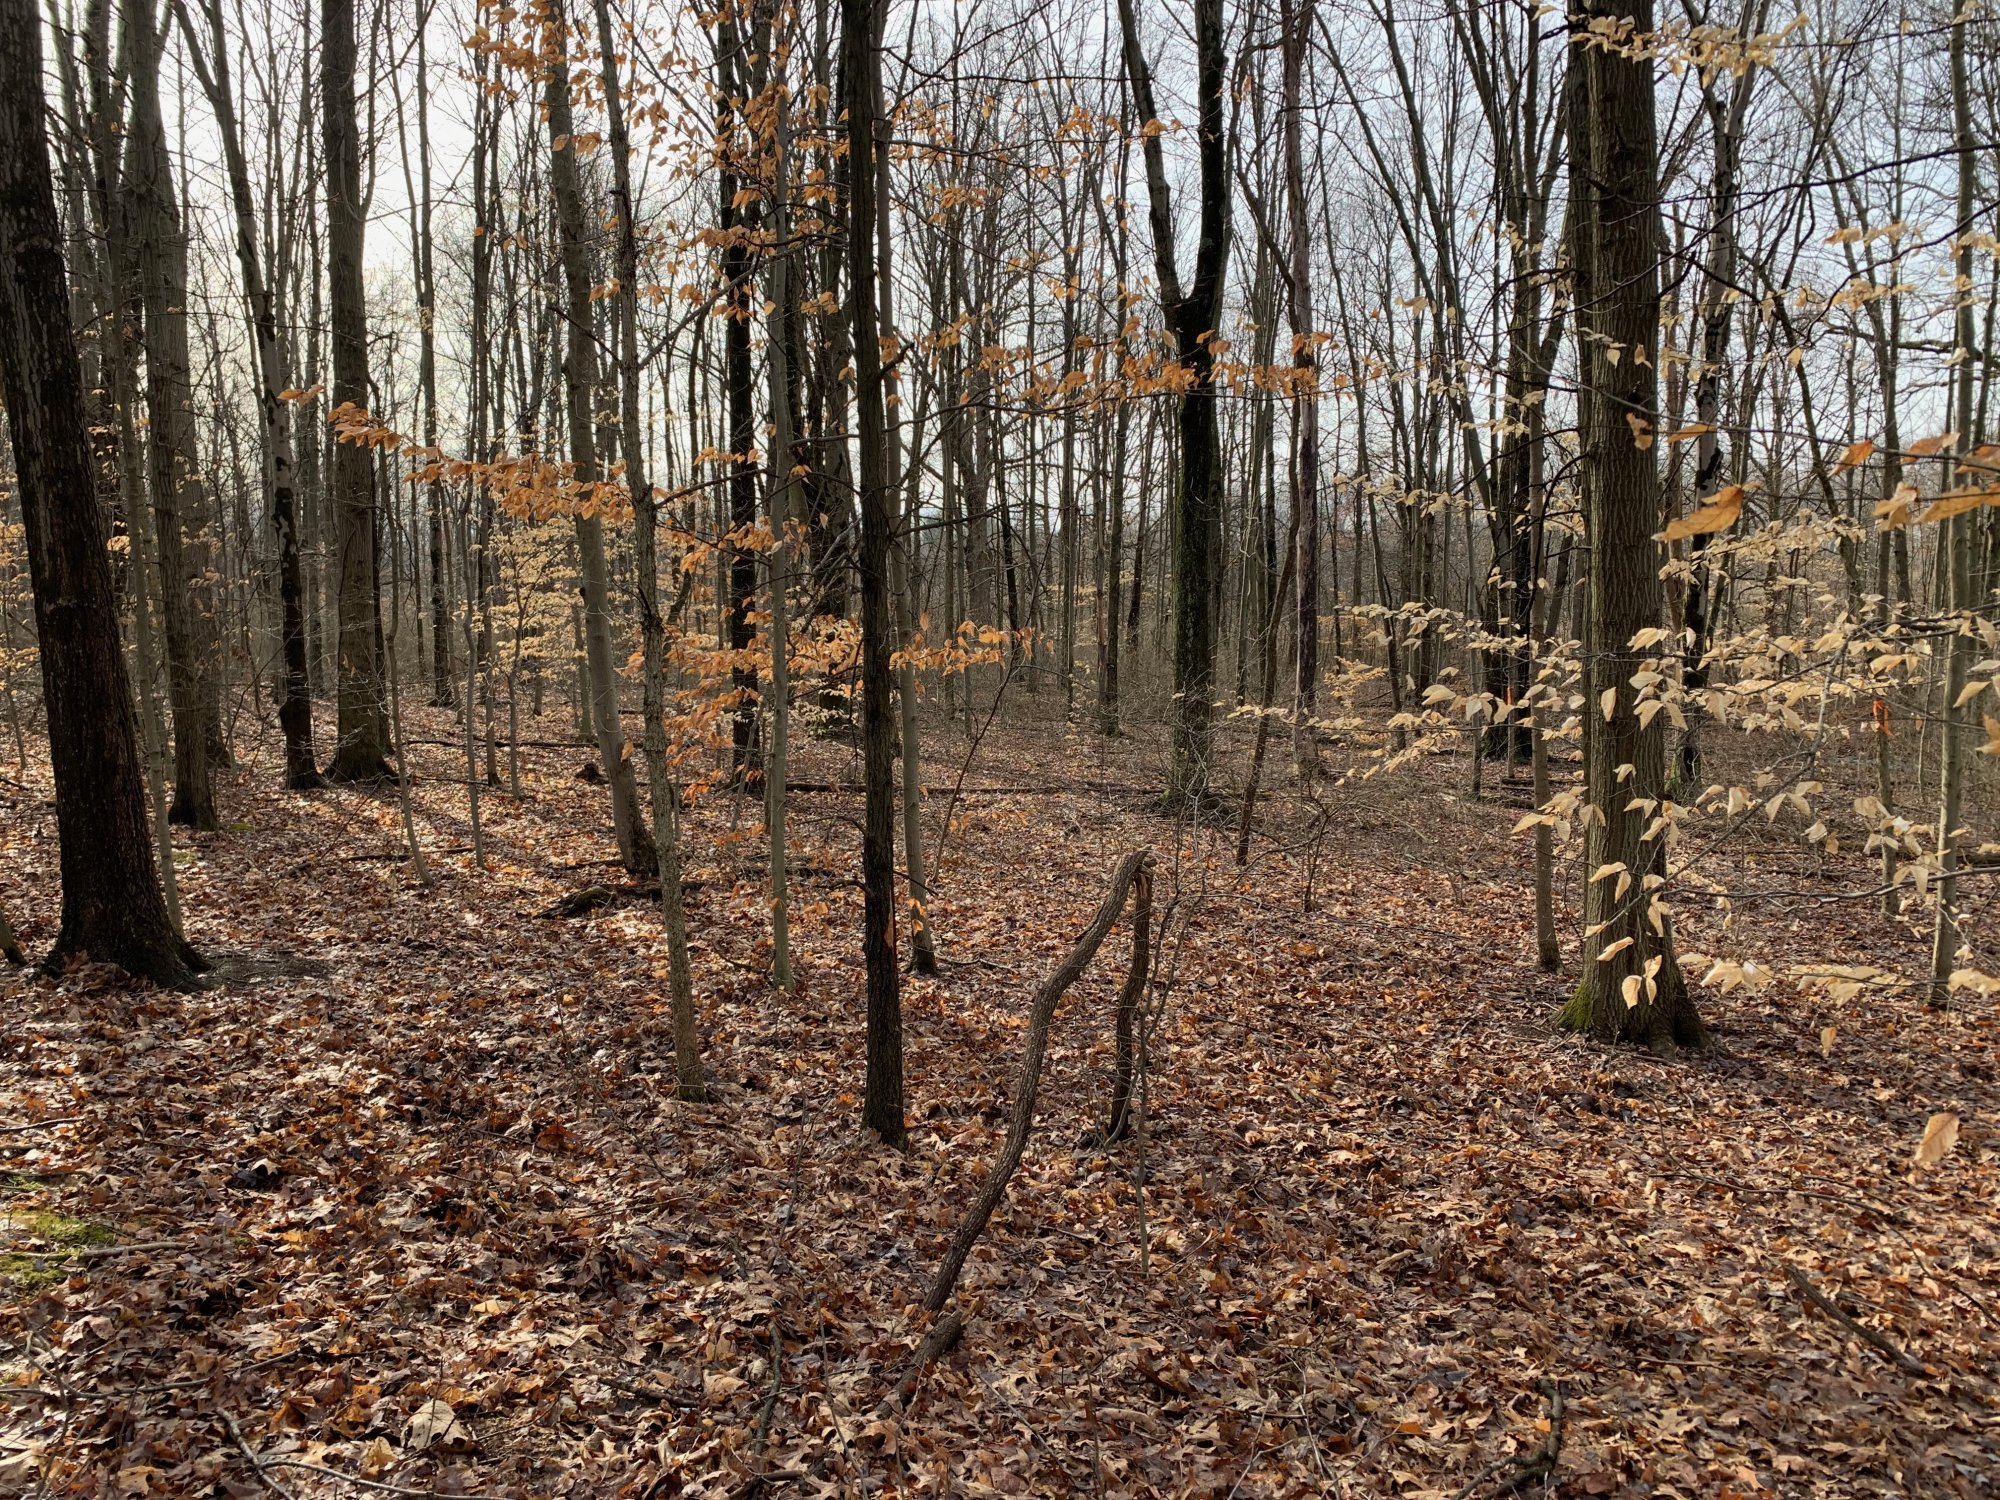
x=31 y=1272
x=1575 y=1014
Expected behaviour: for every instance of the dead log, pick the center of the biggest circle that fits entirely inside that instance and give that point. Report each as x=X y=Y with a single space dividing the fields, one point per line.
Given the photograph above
x=1043 y=1011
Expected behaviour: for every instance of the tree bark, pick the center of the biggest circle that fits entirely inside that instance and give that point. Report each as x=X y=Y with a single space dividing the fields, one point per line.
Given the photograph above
x=179 y=497
x=652 y=626
x=1632 y=989
x=295 y=690
x=635 y=844
x=112 y=909
x=1193 y=315
x=882 y=1100
x=361 y=754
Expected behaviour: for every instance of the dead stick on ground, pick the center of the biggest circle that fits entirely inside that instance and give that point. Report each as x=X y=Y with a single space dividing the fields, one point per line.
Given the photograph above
x=1881 y=1343
x=1039 y=1016
x=256 y=1465
x=99 y=1252
x=1538 y=1465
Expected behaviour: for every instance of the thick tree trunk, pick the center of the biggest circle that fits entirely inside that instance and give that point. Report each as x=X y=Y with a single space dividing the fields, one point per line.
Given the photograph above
x=179 y=498
x=1632 y=988
x=735 y=221
x=363 y=749
x=112 y=908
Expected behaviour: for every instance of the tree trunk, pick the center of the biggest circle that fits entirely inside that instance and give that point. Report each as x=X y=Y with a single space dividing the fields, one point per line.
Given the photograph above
x=664 y=797
x=635 y=844
x=882 y=1101
x=1295 y=17
x=1955 y=553
x=295 y=692
x=1632 y=989
x=362 y=752
x=179 y=497
x=112 y=909
x=1193 y=315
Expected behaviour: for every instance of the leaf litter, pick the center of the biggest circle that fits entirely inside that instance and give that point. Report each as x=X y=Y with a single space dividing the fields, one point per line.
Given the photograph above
x=407 y=1198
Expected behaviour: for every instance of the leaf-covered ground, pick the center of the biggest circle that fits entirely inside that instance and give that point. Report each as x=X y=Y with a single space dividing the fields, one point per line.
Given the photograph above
x=406 y=1198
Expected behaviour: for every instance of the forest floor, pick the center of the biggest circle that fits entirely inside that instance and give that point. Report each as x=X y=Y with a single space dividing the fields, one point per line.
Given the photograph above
x=406 y=1200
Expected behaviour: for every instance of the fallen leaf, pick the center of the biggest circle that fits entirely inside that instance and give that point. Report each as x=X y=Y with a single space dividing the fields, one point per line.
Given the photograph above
x=1940 y=1135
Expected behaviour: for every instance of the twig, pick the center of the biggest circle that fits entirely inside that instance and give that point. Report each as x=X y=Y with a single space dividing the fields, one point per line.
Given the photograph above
x=650 y=1393
x=99 y=1252
x=256 y=1465
x=1881 y=1343
x=1537 y=1465
x=47 y=1124
x=375 y=1484
x=758 y=1480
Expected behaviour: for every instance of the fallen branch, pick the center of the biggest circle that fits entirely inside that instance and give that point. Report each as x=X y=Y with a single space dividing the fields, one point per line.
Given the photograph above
x=1129 y=995
x=1537 y=1466
x=378 y=1484
x=256 y=1467
x=50 y=1123
x=1131 y=867
x=393 y=855
x=99 y=1252
x=1881 y=1343
x=262 y=1468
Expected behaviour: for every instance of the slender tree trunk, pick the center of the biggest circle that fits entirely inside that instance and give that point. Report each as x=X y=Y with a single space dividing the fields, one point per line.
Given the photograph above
x=295 y=689
x=635 y=843
x=779 y=501
x=1955 y=545
x=882 y=1101
x=1295 y=20
x=652 y=627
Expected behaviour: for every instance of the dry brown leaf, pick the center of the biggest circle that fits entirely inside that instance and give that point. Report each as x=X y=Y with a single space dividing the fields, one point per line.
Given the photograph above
x=1718 y=514
x=1940 y=1135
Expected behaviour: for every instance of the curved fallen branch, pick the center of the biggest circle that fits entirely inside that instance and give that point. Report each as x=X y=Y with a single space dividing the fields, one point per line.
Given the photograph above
x=1881 y=1343
x=1134 y=866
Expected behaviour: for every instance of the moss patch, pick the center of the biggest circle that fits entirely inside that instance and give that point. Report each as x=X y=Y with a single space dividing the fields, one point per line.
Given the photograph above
x=1575 y=1015
x=31 y=1272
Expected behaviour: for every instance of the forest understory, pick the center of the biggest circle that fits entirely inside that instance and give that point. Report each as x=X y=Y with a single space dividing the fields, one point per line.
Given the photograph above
x=406 y=1201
